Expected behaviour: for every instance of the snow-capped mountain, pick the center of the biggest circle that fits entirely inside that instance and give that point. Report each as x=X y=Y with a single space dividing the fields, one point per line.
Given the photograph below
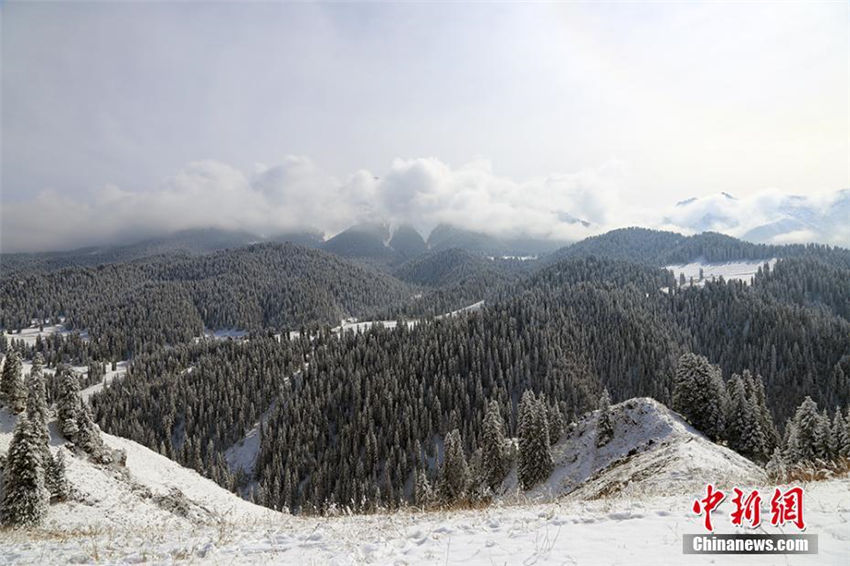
x=768 y=217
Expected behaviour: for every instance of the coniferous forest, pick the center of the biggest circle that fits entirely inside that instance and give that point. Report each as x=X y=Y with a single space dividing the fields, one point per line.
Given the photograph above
x=422 y=412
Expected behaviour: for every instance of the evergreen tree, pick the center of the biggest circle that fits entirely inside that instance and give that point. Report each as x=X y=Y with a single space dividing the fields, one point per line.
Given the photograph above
x=423 y=494
x=68 y=403
x=699 y=395
x=493 y=453
x=556 y=422
x=56 y=479
x=802 y=446
x=25 y=497
x=604 y=426
x=743 y=425
x=534 y=459
x=823 y=434
x=455 y=473
x=12 y=390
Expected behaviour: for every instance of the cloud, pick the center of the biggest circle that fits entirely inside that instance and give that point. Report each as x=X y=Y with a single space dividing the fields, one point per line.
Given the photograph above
x=296 y=194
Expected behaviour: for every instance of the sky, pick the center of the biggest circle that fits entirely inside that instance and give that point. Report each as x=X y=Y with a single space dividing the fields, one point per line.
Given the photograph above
x=121 y=120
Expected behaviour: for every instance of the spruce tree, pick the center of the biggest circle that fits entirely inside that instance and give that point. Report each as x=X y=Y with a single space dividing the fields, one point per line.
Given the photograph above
x=68 y=403
x=493 y=456
x=25 y=497
x=12 y=390
x=534 y=461
x=776 y=468
x=423 y=494
x=455 y=474
x=699 y=395
x=56 y=479
x=844 y=437
x=803 y=442
x=604 y=426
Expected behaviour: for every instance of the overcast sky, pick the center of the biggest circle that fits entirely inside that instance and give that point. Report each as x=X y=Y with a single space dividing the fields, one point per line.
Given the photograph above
x=145 y=116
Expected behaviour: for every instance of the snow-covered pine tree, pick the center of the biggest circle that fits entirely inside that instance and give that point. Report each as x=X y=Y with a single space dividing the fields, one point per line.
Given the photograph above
x=822 y=437
x=604 y=426
x=55 y=478
x=423 y=494
x=534 y=461
x=25 y=497
x=88 y=437
x=493 y=452
x=556 y=422
x=68 y=403
x=768 y=428
x=743 y=426
x=699 y=394
x=455 y=474
x=802 y=434
x=12 y=391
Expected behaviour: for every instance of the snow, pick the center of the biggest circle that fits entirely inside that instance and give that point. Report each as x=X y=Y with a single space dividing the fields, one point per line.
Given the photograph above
x=128 y=517
x=737 y=270
x=243 y=454
x=110 y=375
x=29 y=335
x=652 y=451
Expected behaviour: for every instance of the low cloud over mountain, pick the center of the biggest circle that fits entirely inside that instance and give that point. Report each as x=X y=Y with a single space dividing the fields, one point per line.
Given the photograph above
x=424 y=192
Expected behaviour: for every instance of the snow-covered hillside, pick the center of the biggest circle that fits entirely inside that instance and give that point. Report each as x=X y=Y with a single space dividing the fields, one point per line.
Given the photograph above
x=653 y=451
x=743 y=270
x=160 y=512
x=150 y=490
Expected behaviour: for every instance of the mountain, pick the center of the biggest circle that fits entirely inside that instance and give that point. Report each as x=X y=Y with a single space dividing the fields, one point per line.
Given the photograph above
x=445 y=236
x=192 y=242
x=361 y=241
x=149 y=491
x=407 y=242
x=652 y=451
x=768 y=219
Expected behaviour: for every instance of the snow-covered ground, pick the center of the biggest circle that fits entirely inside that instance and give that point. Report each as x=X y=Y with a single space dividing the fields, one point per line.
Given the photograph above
x=653 y=451
x=110 y=375
x=29 y=335
x=156 y=511
x=737 y=270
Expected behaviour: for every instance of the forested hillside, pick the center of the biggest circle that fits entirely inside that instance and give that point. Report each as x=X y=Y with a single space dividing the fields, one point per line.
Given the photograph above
x=390 y=416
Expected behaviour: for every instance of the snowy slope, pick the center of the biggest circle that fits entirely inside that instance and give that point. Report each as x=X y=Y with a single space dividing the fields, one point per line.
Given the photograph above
x=134 y=518
x=653 y=452
x=150 y=490
x=732 y=270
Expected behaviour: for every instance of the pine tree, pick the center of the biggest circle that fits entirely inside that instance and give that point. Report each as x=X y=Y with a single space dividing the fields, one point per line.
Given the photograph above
x=423 y=494
x=604 y=426
x=56 y=479
x=12 y=390
x=743 y=425
x=534 y=459
x=556 y=422
x=699 y=395
x=25 y=497
x=768 y=428
x=493 y=456
x=802 y=446
x=68 y=403
x=455 y=474
x=822 y=437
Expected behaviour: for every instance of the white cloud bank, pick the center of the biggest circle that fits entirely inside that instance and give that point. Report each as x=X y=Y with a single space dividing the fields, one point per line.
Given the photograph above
x=296 y=195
